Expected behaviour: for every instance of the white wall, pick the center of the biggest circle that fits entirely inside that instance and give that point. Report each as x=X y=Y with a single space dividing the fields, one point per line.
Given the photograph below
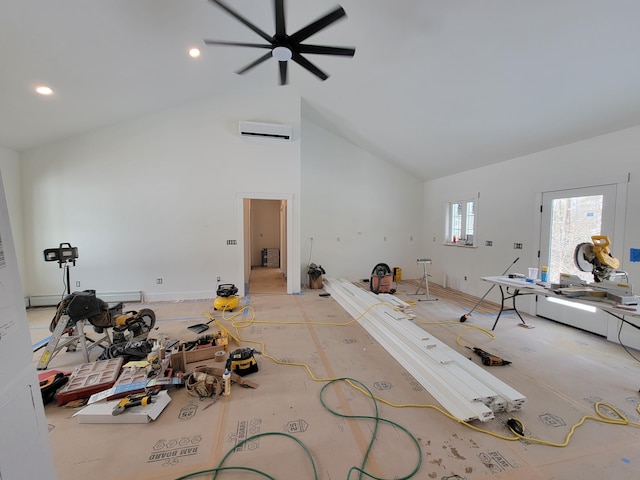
x=157 y=197
x=509 y=208
x=349 y=194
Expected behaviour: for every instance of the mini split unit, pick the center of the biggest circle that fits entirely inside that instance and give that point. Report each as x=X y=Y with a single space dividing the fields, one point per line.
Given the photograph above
x=273 y=131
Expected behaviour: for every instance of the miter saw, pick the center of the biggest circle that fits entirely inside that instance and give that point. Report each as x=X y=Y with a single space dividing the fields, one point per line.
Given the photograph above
x=597 y=258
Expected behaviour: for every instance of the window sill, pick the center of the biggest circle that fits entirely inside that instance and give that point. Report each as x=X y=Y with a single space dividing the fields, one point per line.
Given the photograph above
x=463 y=245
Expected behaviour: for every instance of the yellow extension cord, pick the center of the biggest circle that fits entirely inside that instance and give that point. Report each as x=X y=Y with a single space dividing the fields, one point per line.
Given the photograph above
x=600 y=416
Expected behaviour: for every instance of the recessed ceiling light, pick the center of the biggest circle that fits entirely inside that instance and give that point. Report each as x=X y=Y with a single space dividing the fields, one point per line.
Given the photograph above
x=194 y=52
x=44 y=90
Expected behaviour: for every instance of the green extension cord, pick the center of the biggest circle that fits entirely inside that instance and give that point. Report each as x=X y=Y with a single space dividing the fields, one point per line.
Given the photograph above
x=377 y=420
x=360 y=469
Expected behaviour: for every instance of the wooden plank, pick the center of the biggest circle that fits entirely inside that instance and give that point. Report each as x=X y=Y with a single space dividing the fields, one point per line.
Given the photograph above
x=181 y=359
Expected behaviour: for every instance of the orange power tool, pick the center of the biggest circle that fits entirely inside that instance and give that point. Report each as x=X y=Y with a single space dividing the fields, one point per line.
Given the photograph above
x=488 y=359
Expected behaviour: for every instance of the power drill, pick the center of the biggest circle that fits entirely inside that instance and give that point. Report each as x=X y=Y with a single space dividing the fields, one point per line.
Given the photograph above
x=488 y=359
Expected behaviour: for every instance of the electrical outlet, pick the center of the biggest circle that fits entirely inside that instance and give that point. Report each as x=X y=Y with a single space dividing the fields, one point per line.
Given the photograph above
x=488 y=243
x=219 y=278
x=158 y=281
x=517 y=246
x=465 y=278
x=411 y=238
x=77 y=284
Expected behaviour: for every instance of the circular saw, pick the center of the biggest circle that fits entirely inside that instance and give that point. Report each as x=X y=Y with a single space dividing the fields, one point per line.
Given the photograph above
x=596 y=258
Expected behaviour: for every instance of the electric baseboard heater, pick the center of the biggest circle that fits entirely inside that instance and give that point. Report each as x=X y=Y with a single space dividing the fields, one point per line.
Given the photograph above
x=273 y=131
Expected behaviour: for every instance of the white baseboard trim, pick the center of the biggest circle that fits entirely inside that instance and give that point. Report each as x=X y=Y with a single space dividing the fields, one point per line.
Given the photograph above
x=178 y=296
x=109 y=297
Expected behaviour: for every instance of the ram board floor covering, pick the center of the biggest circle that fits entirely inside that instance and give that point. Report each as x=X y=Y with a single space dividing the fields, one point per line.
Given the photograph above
x=308 y=420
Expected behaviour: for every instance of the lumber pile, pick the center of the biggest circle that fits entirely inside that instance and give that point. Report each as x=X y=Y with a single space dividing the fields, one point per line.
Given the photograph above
x=463 y=388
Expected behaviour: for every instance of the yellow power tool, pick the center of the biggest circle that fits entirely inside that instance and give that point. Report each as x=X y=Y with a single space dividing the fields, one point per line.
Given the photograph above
x=133 y=400
x=243 y=362
x=596 y=258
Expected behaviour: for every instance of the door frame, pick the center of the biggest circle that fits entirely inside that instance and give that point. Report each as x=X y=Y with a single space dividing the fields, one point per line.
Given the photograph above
x=620 y=183
x=244 y=219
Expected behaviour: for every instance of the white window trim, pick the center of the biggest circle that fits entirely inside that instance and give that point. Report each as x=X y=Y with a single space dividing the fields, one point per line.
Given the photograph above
x=463 y=199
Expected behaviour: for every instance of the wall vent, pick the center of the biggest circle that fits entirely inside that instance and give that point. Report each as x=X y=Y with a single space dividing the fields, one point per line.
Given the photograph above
x=272 y=131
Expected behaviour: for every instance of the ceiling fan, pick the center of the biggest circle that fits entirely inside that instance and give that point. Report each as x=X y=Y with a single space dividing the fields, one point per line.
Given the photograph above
x=284 y=47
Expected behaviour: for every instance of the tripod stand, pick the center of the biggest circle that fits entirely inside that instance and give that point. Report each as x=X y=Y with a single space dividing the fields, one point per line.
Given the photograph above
x=424 y=280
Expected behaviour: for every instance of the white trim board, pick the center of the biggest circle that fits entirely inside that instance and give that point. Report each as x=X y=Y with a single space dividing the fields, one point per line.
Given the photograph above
x=462 y=387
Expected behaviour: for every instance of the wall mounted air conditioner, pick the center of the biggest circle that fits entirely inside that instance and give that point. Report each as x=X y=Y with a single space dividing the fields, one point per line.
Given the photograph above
x=272 y=131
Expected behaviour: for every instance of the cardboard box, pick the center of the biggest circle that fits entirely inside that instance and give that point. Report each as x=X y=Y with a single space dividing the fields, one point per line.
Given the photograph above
x=180 y=360
x=315 y=284
x=102 y=412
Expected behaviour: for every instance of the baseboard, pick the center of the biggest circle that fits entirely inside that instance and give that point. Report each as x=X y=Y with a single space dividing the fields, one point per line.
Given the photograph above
x=112 y=297
x=135 y=297
x=178 y=296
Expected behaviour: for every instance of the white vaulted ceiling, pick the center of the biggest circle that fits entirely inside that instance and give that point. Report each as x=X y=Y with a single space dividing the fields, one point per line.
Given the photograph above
x=435 y=87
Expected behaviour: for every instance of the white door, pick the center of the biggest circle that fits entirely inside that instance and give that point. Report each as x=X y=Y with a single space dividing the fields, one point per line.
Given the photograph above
x=571 y=217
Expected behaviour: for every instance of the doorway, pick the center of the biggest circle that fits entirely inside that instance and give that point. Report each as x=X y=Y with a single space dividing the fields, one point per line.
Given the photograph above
x=265 y=243
x=571 y=217
x=266 y=246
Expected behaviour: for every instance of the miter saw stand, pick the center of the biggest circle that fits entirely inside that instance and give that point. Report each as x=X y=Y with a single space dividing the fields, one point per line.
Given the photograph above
x=424 y=280
x=66 y=255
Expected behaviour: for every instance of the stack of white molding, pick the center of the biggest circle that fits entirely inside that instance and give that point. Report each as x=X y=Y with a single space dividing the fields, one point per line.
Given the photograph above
x=466 y=390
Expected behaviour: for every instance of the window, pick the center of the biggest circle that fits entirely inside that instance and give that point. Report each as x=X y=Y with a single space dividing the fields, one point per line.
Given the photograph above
x=461 y=221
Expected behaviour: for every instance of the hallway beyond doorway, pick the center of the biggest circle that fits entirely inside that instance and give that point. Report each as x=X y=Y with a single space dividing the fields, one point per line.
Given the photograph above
x=266 y=280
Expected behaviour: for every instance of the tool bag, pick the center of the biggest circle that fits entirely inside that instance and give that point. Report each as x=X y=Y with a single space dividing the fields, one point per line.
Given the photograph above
x=86 y=305
x=204 y=382
x=381 y=279
x=128 y=350
x=51 y=384
x=80 y=305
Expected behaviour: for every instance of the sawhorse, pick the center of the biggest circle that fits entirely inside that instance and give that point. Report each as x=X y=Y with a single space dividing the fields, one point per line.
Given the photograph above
x=424 y=280
x=76 y=337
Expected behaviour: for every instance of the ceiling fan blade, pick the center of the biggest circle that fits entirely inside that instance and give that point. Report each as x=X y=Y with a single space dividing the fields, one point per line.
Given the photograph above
x=281 y=29
x=318 y=25
x=326 y=50
x=283 y=73
x=303 y=62
x=243 y=20
x=263 y=58
x=237 y=44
